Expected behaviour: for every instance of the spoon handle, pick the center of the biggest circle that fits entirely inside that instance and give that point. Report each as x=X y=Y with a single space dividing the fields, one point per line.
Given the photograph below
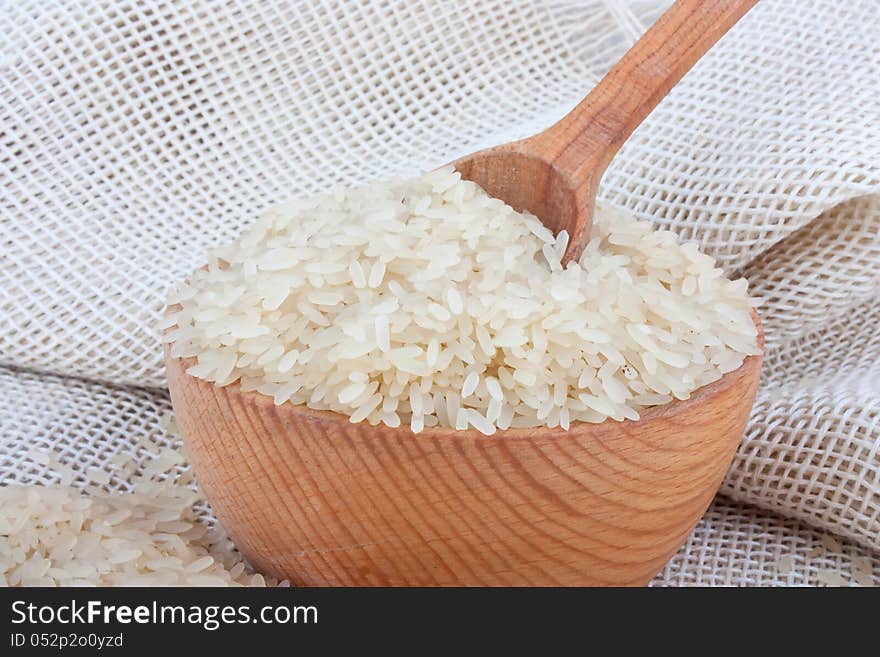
x=583 y=142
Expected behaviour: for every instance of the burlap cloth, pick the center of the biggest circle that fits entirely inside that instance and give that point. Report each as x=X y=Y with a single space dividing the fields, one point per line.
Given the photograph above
x=133 y=135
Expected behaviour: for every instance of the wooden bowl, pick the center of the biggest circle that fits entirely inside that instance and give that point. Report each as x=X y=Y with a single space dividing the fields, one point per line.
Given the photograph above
x=310 y=497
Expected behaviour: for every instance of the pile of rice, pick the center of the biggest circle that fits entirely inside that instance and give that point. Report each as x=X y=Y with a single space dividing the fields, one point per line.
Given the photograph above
x=152 y=535
x=426 y=302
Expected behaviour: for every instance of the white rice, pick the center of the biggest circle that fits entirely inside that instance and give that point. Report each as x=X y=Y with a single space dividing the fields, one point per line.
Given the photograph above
x=426 y=302
x=150 y=536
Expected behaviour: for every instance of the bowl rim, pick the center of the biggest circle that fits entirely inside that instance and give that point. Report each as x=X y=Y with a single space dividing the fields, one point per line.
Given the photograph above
x=676 y=407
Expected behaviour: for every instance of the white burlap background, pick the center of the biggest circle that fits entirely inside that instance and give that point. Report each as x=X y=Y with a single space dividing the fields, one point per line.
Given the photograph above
x=133 y=135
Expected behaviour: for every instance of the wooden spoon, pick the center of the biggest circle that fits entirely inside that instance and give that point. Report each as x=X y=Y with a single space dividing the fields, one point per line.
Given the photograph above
x=555 y=174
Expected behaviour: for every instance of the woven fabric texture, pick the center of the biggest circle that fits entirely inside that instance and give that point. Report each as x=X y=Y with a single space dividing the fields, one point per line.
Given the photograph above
x=135 y=134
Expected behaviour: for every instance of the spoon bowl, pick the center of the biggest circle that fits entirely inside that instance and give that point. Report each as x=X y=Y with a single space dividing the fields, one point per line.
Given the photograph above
x=528 y=182
x=311 y=497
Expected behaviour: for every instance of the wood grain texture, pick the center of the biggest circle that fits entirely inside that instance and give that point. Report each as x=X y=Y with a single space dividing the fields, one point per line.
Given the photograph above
x=555 y=174
x=313 y=498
